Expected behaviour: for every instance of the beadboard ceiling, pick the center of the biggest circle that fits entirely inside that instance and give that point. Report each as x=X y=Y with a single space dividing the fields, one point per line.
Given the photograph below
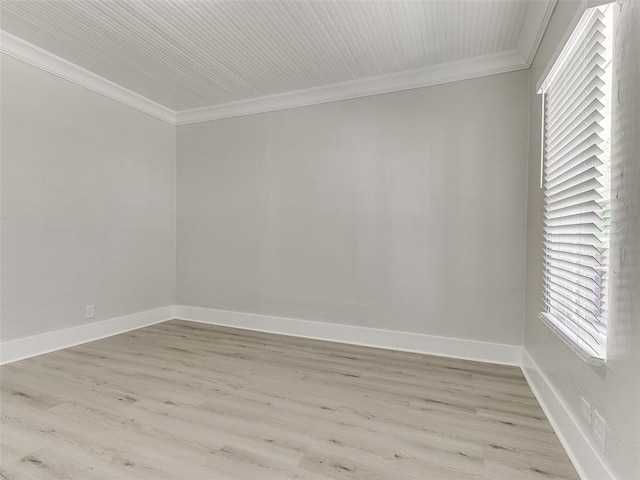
x=200 y=56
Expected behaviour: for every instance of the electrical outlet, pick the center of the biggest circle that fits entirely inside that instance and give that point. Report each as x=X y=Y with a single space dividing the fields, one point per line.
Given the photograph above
x=89 y=311
x=599 y=428
x=585 y=410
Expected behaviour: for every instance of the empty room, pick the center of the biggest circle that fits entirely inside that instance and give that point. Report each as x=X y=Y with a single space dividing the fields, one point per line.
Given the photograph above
x=314 y=239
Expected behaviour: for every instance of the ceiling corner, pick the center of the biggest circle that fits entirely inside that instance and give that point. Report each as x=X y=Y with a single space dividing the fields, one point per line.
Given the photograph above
x=535 y=24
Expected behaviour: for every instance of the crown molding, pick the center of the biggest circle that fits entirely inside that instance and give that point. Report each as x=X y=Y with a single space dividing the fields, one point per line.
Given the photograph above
x=535 y=24
x=406 y=80
x=33 y=55
x=409 y=79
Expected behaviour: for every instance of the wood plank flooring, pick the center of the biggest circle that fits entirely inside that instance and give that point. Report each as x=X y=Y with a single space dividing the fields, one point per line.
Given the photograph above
x=182 y=400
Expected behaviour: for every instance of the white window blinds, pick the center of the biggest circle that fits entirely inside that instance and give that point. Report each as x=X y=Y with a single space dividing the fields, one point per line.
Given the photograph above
x=576 y=179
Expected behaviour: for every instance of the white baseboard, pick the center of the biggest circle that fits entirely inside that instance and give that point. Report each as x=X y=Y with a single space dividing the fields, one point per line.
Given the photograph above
x=14 y=350
x=357 y=335
x=584 y=454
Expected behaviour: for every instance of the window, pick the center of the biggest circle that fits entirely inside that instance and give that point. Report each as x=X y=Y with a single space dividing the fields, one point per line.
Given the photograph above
x=576 y=155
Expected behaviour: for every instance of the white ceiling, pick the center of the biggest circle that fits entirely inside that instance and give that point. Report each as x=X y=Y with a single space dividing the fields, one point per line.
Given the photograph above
x=190 y=54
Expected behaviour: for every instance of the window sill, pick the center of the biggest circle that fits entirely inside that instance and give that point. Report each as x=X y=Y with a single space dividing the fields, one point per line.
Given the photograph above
x=585 y=356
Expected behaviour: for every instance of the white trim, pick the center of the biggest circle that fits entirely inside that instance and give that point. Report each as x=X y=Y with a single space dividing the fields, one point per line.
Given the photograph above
x=571 y=340
x=543 y=137
x=28 y=53
x=587 y=459
x=357 y=335
x=14 y=350
x=406 y=80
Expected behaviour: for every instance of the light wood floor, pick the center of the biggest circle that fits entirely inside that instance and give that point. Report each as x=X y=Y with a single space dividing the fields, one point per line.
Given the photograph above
x=181 y=400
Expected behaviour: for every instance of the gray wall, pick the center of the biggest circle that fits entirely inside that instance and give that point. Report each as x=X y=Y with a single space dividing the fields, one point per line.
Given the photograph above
x=402 y=211
x=615 y=389
x=88 y=205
